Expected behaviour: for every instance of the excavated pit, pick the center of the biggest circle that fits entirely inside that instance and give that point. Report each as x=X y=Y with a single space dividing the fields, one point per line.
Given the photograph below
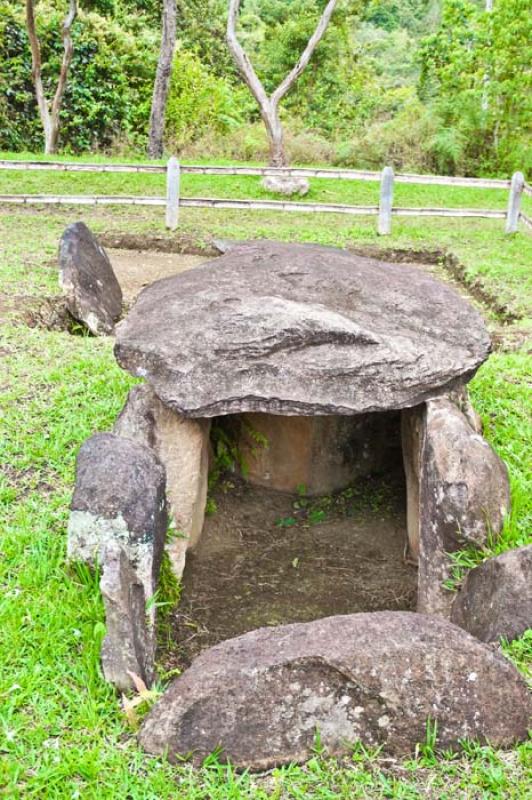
x=269 y=558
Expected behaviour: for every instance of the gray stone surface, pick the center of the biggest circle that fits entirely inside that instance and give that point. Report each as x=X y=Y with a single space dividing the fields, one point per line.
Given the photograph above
x=461 y=497
x=374 y=678
x=182 y=445
x=129 y=644
x=285 y=185
x=295 y=329
x=495 y=599
x=93 y=294
x=119 y=497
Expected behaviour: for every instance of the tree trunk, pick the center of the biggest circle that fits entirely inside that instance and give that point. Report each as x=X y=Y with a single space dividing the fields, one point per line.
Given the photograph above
x=162 y=79
x=274 y=129
x=269 y=106
x=49 y=114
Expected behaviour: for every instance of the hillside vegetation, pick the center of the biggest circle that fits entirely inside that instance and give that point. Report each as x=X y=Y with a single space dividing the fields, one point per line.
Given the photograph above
x=419 y=84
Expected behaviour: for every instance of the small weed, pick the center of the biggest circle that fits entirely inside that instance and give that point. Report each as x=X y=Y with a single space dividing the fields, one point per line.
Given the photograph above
x=286 y=522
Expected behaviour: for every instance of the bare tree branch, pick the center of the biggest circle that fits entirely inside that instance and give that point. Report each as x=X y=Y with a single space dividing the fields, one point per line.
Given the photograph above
x=50 y=114
x=306 y=55
x=269 y=105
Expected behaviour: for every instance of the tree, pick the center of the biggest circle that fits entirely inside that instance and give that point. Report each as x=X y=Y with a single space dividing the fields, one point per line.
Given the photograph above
x=49 y=113
x=162 y=78
x=269 y=104
x=483 y=126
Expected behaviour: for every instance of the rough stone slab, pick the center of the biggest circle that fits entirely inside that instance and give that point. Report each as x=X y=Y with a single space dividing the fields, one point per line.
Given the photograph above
x=495 y=599
x=129 y=644
x=119 y=497
x=300 y=329
x=321 y=454
x=461 y=496
x=374 y=678
x=182 y=446
x=93 y=294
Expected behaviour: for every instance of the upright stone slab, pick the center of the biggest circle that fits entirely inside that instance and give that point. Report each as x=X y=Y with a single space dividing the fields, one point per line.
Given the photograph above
x=458 y=494
x=300 y=330
x=93 y=294
x=495 y=599
x=372 y=678
x=119 y=497
x=182 y=445
x=320 y=454
x=129 y=644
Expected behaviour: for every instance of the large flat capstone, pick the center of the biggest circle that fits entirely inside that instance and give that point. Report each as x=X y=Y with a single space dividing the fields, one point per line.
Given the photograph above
x=375 y=678
x=300 y=329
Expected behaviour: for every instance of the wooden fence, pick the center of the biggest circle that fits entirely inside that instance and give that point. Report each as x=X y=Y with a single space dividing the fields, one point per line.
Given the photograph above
x=384 y=211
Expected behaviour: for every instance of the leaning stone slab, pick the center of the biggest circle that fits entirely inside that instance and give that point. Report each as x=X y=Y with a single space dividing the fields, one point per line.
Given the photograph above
x=119 y=497
x=300 y=330
x=182 y=446
x=93 y=294
x=129 y=644
x=495 y=599
x=372 y=678
x=458 y=492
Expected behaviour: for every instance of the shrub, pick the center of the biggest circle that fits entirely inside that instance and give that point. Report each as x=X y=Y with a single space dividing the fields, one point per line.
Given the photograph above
x=199 y=102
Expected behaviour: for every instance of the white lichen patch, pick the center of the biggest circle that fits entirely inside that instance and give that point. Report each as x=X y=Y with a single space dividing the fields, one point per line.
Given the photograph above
x=89 y=535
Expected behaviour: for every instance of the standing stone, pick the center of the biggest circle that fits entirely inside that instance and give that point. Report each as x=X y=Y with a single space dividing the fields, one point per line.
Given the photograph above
x=129 y=644
x=495 y=599
x=182 y=446
x=93 y=294
x=119 y=497
x=458 y=494
x=373 y=678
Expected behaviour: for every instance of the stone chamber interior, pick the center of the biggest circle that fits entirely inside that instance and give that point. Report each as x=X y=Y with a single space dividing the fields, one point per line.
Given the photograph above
x=306 y=518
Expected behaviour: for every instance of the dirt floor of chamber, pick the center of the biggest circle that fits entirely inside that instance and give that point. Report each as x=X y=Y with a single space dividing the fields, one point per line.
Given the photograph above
x=267 y=558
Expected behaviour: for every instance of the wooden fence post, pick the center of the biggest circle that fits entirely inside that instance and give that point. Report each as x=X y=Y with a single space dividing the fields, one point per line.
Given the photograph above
x=172 y=193
x=514 y=202
x=384 y=226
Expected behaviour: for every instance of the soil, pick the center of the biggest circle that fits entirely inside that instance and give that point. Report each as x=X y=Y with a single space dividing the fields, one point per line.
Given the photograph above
x=136 y=269
x=267 y=558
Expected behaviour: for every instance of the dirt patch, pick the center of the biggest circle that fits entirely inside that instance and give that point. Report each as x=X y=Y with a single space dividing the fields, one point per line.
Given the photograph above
x=267 y=558
x=136 y=269
x=175 y=243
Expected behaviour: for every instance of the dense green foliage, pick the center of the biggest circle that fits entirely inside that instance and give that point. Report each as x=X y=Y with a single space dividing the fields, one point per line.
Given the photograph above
x=476 y=77
x=420 y=84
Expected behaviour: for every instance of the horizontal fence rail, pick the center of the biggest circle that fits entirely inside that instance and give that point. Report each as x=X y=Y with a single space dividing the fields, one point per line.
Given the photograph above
x=291 y=172
x=255 y=205
x=172 y=202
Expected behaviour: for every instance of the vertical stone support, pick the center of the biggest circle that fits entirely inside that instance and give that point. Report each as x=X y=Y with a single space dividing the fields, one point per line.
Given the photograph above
x=458 y=494
x=412 y=437
x=182 y=445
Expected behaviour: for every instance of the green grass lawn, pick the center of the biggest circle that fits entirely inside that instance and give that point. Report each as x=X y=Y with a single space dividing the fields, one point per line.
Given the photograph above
x=62 y=730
